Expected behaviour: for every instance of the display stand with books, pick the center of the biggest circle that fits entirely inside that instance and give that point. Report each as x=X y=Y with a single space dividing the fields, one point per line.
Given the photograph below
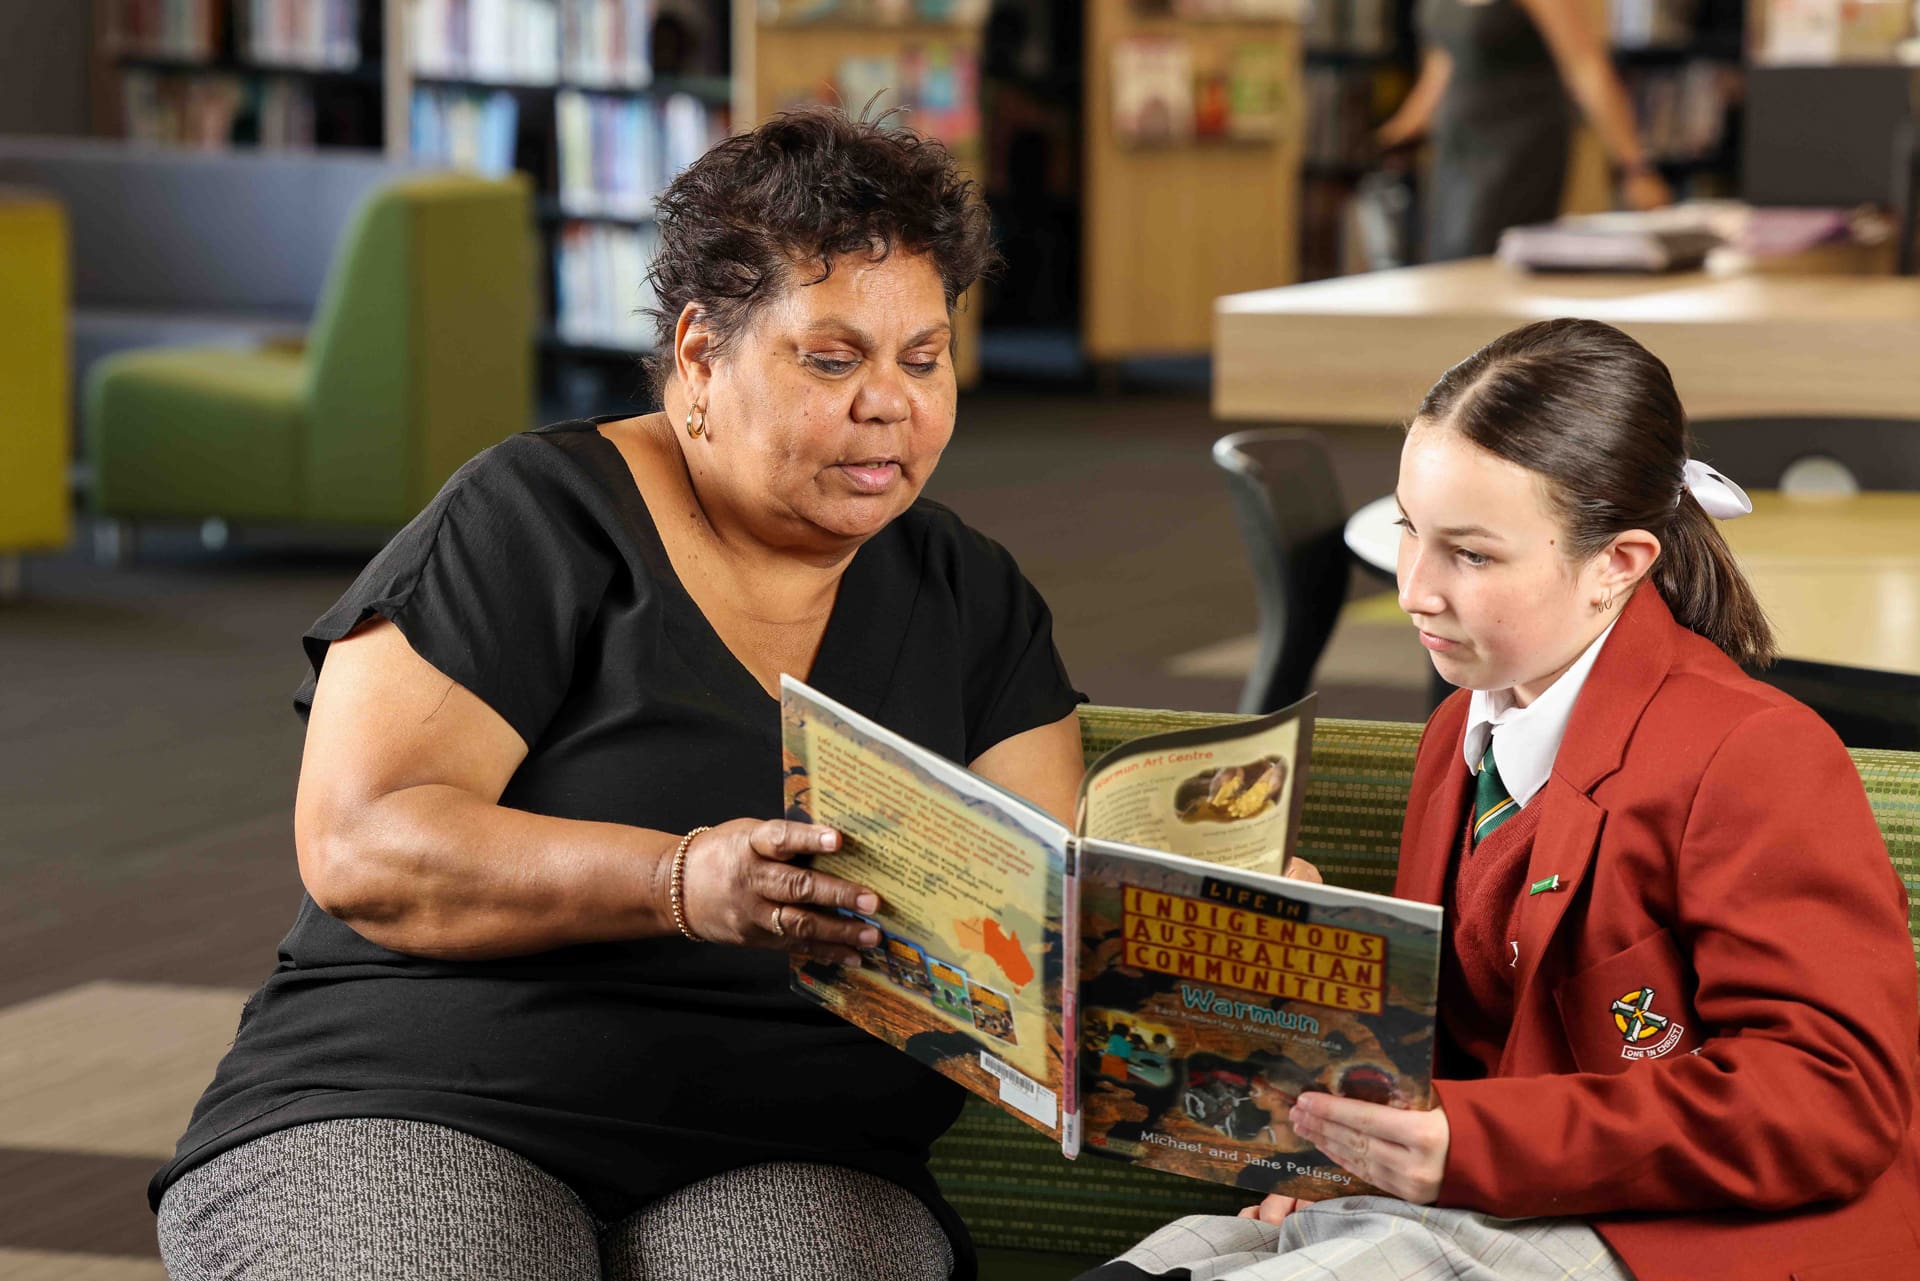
x=919 y=55
x=1143 y=983
x=1192 y=124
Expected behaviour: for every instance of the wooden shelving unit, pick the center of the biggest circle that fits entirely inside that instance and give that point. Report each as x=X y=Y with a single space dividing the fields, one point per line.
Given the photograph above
x=1167 y=229
x=785 y=62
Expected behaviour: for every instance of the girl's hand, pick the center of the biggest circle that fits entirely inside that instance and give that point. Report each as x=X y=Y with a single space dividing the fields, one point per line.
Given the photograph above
x=1274 y=1209
x=741 y=886
x=1402 y=1153
x=1298 y=869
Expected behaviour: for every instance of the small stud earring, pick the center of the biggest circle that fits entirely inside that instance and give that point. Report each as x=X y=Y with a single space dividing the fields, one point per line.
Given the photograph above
x=693 y=432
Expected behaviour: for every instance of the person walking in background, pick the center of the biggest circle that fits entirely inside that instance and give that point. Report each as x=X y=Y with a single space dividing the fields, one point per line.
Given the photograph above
x=1493 y=91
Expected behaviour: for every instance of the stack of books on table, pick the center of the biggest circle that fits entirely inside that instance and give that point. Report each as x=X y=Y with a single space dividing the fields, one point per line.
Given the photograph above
x=1663 y=240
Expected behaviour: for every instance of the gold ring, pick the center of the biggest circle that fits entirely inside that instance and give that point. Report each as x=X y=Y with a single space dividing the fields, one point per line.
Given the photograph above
x=779 y=930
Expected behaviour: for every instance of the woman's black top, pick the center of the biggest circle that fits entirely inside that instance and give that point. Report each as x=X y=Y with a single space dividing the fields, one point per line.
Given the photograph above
x=536 y=579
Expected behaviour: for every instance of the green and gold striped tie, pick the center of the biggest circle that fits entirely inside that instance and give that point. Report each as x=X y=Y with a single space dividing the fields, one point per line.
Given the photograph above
x=1491 y=804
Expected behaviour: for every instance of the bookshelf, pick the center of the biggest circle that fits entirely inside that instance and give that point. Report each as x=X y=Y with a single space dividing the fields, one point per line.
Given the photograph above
x=1361 y=57
x=289 y=74
x=923 y=55
x=601 y=103
x=1174 y=215
x=1681 y=64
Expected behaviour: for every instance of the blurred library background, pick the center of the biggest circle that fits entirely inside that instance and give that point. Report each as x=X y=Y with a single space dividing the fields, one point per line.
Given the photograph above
x=270 y=270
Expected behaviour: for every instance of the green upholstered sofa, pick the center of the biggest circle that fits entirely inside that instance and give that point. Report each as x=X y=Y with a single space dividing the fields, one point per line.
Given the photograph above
x=420 y=356
x=1035 y=1215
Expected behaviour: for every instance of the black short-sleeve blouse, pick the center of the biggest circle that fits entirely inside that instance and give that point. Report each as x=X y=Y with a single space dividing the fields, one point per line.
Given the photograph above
x=536 y=579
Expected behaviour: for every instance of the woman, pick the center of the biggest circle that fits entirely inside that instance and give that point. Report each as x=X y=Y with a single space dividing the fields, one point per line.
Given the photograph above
x=1493 y=88
x=533 y=1019
x=1678 y=1010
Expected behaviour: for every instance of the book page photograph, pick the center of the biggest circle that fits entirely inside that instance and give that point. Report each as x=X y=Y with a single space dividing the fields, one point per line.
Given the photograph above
x=1229 y=799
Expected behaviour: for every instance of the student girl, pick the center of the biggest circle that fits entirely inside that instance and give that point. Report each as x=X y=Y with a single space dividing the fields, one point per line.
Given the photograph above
x=1678 y=1015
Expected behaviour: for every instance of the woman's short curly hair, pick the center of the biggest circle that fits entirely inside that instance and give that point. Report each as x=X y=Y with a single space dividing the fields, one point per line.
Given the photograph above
x=805 y=187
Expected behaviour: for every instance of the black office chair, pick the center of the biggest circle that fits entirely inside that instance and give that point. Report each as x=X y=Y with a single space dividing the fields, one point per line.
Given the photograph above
x=1866 y=708
x=1881 y=453
x=1290 y=514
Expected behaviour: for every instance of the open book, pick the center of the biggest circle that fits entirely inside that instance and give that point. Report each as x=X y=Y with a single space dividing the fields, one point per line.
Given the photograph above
x=1145 y=982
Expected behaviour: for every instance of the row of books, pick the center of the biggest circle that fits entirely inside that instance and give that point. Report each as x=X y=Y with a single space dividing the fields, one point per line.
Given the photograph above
x=212 y=111
x=592 y=43
x=503 y=41
x=1683 y=110
x=874 y=12
x=1650 y=24
x=1165 y=91
x=187 y=29
x=1229 y=10
x=616 y=154
x=469 y=129
x=937 y=82
x=607 y=42
x=600 y=284
x=1339 y=120
x=303 y=33
x=1352 y=26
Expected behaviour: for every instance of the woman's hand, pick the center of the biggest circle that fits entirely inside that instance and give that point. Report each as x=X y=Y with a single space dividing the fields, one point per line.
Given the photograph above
x=1645 y=189
x=1402 y=1153
x=1298 y=869
x=1275 y=1209
x=741 y=886
x=1402 y=129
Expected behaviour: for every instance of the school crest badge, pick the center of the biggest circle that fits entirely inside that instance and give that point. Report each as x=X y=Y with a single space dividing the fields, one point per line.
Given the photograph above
x=1647 y=1035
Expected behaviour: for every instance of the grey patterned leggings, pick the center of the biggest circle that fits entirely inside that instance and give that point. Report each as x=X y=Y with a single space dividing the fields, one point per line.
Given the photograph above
x=385 y=1200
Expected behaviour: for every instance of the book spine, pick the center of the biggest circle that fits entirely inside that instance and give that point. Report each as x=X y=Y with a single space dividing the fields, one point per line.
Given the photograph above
x=1070 y=1003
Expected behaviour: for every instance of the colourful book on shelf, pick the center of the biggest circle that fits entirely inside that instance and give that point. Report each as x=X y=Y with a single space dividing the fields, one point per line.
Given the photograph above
x=1255 y=106
x=1153 y=89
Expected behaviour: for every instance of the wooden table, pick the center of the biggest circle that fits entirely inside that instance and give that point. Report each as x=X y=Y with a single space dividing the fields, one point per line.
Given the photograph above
x=1364 y=349
x=1839 y=577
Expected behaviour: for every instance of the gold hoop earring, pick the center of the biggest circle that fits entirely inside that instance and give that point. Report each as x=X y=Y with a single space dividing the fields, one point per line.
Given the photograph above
x=693 y=432
x=1606 y=602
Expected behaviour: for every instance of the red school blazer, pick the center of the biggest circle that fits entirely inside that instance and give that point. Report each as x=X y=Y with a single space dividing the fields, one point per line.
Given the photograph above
x=1716 y=1025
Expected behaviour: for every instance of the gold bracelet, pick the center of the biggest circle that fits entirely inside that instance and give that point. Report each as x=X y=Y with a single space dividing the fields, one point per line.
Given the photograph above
x=677 y=885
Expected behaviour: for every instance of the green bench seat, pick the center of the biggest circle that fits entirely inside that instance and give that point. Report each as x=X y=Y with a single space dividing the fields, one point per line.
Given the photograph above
x=1036 y=1216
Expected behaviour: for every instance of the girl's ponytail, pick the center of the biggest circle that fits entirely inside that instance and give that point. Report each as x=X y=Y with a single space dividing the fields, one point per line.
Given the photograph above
x=1703 y=586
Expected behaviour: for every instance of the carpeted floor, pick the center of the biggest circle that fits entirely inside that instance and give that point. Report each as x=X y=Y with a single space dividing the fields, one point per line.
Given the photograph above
x=148 y=755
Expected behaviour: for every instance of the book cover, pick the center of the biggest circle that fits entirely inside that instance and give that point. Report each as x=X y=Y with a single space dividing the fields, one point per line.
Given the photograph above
x=972 y=886
x=1153 y=90
x=1147 y=980
x=1211 y=999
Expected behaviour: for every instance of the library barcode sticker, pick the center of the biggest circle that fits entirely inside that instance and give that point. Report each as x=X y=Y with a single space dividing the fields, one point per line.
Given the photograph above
x=1023 y=1092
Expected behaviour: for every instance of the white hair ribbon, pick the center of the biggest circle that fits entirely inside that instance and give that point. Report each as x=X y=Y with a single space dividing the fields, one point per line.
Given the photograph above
x=1720 y=497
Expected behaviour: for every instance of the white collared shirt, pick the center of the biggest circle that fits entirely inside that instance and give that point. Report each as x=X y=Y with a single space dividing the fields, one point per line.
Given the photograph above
x=1529 y=736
